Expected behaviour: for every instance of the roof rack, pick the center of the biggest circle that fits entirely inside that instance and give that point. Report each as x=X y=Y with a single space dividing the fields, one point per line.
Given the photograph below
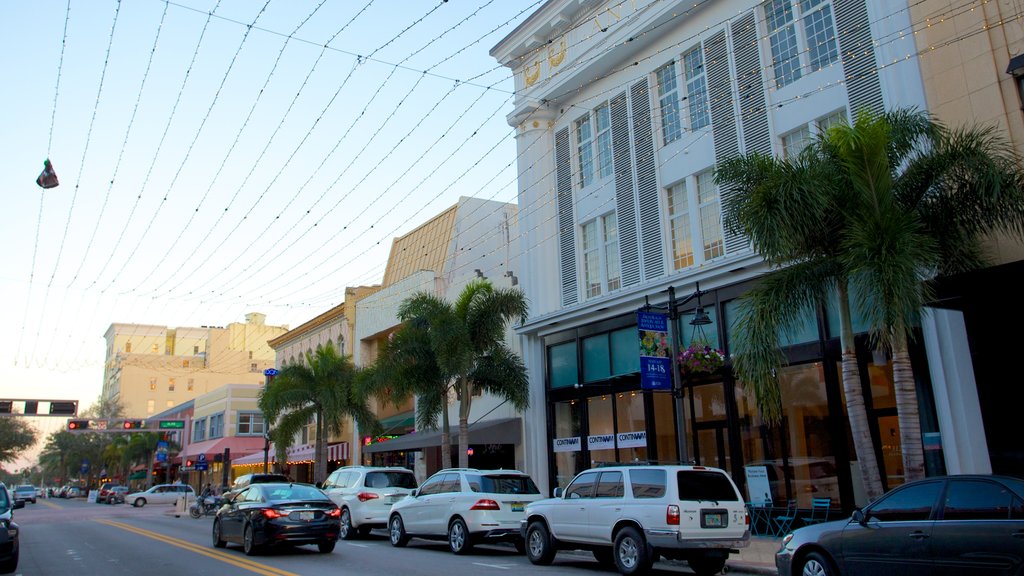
x=644 y=463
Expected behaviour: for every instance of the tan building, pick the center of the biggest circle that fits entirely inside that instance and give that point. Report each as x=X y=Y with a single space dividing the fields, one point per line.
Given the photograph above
x=151 y=368
x=225 y=418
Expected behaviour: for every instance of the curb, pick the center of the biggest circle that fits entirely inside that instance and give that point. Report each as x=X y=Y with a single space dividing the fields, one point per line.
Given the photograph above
x=752 y=568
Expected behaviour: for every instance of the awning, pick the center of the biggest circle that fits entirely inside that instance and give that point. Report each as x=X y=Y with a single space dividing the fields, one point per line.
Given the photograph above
x=337 y=451
x=254 y=458
x=141 y=474
x=498 y=431
x=398 y=422
x=239 y=445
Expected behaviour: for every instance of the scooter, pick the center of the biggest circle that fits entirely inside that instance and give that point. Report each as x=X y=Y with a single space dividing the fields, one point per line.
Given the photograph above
x=205 y=506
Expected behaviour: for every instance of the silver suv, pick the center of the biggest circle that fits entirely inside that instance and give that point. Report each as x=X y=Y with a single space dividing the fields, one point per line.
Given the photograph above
x=365 y=495
x=632 y=514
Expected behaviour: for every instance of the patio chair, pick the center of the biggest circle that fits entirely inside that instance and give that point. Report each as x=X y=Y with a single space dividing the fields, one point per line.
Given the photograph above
x=819 y=511
x=784 y=521
x=760 y=517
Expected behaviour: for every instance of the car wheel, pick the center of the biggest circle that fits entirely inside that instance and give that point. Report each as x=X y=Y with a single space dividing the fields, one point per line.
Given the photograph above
x=603 y=556
x=816 y=564
x=458 y=537
x=139 y=502
x=249 y=541
x=539 y=548
x=11 y=564
x=218 y=538
x=631 y=553
x=347 y=532
x=326 y=547
x=396 y=531
x=708 y=565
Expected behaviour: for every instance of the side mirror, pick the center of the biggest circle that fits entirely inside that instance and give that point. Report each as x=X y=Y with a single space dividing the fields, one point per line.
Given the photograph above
x=415 y=493
x=19 y=504
x=557 y=492
x=859 y=517
x=320 y=485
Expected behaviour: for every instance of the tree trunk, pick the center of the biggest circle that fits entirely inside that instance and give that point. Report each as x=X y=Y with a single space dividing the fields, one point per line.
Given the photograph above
x=319 y=465
x=149 y=470
x=465 y=403
x=855 y=410
x=446 y=439
x=908 y=410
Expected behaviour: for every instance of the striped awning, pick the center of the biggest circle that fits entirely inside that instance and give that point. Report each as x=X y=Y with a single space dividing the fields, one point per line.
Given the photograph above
x=338 y=451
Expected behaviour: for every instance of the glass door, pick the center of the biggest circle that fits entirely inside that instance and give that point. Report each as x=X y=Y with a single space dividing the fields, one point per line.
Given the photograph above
x=709 y=425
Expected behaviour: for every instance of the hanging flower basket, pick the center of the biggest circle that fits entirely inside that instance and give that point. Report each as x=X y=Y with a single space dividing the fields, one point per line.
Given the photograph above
x=700 y=357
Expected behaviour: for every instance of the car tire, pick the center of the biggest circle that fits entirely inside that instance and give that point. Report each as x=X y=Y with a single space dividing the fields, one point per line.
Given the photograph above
x=139 y=502
x=539 y=547
x=817 y=564
x=459 y=540
x=326 y=547
x=396 y=532
x=218 y=538
x=11 y=564
x=707 y=565
x=603 y=556
x=631 y=553
x=249 y=541
x=347 y=531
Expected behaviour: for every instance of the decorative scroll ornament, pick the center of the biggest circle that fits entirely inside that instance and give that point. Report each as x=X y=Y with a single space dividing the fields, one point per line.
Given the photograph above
x=531 y=73
x=555 y=58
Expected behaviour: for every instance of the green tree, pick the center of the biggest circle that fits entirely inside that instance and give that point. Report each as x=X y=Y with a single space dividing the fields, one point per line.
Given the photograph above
x=867 y=213
x=323 y=390
x=467 y=340
x=16 y=435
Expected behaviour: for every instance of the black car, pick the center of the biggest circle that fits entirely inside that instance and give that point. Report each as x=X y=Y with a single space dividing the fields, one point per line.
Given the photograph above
x=263 y=515
x=970 y=524
x=9 y=531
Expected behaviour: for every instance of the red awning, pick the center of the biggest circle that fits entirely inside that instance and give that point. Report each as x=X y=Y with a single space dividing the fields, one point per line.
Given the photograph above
x=239 y=445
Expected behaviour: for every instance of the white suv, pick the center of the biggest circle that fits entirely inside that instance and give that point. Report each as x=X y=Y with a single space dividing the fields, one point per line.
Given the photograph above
x=365 y=495
x=465 y=506
x=631 y=514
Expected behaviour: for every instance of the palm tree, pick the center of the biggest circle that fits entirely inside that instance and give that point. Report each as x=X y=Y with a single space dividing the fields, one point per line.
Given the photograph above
x=467 y=338
x=322 y=389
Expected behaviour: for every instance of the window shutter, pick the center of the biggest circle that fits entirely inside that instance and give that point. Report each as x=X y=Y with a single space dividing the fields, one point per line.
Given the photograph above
x=723 y=123
x=625 y=202
x=751 y=86
x=566 y=220
x=647 y=182
x=858 y=54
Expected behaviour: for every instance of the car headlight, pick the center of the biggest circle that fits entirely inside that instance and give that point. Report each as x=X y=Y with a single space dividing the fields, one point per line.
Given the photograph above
x=786 y=539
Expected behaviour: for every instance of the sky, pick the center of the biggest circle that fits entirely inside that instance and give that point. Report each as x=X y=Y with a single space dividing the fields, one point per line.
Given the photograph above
x=221 y=157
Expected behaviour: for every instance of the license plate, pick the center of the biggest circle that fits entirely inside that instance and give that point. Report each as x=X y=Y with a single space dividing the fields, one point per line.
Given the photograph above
x=304 y=515
x=518 y=506
x=714 y=520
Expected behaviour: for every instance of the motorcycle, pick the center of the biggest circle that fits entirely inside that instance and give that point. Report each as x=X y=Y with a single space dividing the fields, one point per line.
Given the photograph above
x=205 y=506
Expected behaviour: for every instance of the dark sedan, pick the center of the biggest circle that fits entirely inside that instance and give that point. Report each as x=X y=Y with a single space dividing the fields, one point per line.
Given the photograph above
x=970 y=524
x=265 y=515
x=9 y=547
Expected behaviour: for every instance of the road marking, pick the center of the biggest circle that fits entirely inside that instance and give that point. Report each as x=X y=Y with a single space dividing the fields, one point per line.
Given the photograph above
x=498 y=566
x=198 y=549
x=359 y=545
x=51 y=504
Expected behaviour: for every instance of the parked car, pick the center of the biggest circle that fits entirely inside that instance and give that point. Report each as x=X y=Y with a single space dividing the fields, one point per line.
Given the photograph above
x=105 y=491
x=266 y=514
x=969 y=524
x=464 y=506
x=365 y=495
x=245 y=480
x=25 y=493
x=10 y=546
x=629 y=515
x=117 y=495
x=73 y=492
x=160 y=494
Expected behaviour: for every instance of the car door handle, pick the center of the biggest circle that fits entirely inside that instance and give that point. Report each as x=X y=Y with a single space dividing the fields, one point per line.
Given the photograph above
x=918 y=535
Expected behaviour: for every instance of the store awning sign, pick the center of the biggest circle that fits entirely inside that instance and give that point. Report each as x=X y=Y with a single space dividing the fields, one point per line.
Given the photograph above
x=655 y=351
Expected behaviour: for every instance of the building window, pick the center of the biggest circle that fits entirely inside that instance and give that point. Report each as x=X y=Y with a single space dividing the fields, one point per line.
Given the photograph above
x=668 y=103
x=679 y=226
x=152 y=383
x=602 y=269
x=170 y=385
x=250 y=354
x=689 y=227
x=594 y=147
x=801 y=35
x=127 y=347
x=191 y=384
x=150 y=406
x=696 y=89
x=195 y=350
x=795 y=141
x=251 y=424
x=710 y=207
x=184 y=363
x=217 y=425
x=170 y=403
x=199 y=430
x=563 y=371
x=253 y=367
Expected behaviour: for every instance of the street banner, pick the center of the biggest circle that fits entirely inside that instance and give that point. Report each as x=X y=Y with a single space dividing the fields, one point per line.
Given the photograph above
x=655 y=351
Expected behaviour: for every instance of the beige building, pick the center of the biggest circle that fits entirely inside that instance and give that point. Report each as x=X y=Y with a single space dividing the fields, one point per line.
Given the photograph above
x=151 y=368
x=225 y=418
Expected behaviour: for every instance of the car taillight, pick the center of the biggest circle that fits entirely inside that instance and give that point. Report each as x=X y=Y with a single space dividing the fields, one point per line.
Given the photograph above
x=270 y=513
x=672 y=515
x=335 y=513
x=485 y=505
x=364 y=496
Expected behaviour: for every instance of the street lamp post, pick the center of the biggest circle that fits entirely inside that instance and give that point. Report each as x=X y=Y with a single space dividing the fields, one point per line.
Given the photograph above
x=700 y=318
x=269 y=373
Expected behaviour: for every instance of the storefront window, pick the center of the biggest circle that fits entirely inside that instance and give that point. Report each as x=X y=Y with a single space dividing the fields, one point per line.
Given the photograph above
x=601 y=425
x=629 y=411
x=568 y=441
x=806 y=331
x=610 y=354
x=665 y=427
x=625 y=354
x=750 y=426
x=596 y=361
x=562 y=364
x=708 y=432
x=860 y=324
x=808 y=462
x=686 y=331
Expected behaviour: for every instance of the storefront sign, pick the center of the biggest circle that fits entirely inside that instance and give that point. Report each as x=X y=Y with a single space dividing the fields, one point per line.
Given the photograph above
x=601 y=442
x=655 y=351
x=631 y=439
x=566 y=444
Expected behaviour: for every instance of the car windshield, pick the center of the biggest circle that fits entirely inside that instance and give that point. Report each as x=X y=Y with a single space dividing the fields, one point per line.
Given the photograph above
x=705 y=485
x=390 y=480
x=1016 y=485
x=293 y=492
x=502 y=484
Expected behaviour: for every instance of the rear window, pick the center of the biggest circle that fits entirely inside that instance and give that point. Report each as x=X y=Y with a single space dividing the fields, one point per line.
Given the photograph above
x=390 y=480
x=293 y=492
x=705 y=485
x=500 y=484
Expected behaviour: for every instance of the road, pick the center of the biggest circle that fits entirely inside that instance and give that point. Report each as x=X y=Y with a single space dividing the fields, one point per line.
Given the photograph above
x=62 y=536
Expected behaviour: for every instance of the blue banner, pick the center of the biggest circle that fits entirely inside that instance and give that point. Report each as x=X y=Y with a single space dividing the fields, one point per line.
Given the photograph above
x=655 y=351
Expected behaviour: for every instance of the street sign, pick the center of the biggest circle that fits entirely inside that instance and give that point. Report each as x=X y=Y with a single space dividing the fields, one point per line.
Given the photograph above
x=172 y=424
x=270 y=372
x=201 y=463
x=161 y=451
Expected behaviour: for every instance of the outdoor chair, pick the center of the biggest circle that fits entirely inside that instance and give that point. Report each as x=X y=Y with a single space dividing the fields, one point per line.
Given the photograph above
x=819 y=511
x=784 y=521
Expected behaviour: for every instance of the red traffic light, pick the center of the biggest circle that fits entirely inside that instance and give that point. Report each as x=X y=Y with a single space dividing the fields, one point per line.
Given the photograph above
x=132 y=424
x=188 y=463
x=78 y=424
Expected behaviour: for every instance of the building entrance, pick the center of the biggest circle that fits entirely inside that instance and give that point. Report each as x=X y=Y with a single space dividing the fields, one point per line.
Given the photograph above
x=708 y=430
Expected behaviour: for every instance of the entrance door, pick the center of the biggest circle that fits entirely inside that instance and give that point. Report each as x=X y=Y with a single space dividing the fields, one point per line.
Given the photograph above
x=709 y=425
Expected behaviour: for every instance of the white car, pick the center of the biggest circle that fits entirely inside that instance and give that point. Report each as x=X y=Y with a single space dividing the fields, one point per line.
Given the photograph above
x=365 y=495
x=631 y=514
x=464 y=506
x=160 y=494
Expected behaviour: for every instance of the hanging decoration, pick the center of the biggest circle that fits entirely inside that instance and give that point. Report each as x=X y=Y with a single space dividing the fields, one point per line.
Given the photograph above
x=48 y=177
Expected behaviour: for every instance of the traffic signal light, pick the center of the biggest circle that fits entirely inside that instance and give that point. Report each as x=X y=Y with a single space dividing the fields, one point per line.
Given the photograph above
x=69 y=408
x=189 y=462
x=6 y=406
x=74 y=425
x=132 y=424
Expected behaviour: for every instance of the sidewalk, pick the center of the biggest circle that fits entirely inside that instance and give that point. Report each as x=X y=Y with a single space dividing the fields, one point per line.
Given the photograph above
x=758 y=558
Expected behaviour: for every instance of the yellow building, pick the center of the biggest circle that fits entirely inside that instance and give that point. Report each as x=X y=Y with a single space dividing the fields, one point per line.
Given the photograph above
x=151 y=368
x=226 y=418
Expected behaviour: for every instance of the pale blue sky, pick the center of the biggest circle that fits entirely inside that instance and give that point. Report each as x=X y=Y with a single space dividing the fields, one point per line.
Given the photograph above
x=262 y=175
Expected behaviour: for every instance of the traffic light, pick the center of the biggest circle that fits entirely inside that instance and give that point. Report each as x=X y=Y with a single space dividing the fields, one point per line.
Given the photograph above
x=64 y=408
x=132 y=424
x=74 y=425
x=189 y=463
x=6 y=406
